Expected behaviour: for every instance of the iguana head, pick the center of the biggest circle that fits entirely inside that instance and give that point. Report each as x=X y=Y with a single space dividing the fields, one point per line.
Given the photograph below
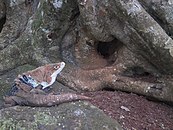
x=52 y=71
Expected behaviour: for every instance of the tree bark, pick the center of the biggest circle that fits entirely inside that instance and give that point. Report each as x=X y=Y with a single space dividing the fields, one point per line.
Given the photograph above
x=132 y=37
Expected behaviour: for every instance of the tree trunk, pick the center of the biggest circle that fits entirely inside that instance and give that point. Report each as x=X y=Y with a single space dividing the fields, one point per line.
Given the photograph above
x=119 y=44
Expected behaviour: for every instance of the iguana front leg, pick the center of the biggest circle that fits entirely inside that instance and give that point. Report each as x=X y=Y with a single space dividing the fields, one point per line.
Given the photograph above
x=22 y=86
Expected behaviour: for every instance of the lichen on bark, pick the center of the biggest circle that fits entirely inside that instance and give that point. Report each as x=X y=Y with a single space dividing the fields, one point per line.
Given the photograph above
x=76 y=31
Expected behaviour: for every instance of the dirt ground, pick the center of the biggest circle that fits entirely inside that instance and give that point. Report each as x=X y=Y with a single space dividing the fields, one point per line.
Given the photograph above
x=133 y=112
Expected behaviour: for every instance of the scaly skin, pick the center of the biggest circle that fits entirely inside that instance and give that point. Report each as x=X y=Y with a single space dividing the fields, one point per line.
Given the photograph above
x=41 y=100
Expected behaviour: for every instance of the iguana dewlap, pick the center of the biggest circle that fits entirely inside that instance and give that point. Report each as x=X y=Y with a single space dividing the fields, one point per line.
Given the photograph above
x=44 y=75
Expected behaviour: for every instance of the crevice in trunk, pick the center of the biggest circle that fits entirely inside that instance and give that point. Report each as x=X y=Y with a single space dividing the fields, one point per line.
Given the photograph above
x=2 y=22
x=136 y=71
x=3 y=10
x=109 y=50
x=108 y=89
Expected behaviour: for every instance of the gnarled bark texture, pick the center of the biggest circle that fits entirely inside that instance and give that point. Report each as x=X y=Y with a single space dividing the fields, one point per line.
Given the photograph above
x=119 y=44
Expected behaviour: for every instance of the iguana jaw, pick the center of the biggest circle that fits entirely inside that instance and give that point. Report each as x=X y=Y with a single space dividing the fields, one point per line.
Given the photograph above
x=53 y=76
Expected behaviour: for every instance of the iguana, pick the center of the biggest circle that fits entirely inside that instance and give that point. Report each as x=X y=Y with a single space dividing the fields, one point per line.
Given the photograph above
x=27 y=83
x=44 y=75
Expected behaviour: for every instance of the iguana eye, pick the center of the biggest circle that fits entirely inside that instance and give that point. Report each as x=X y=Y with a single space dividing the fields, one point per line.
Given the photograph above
x=56 y=67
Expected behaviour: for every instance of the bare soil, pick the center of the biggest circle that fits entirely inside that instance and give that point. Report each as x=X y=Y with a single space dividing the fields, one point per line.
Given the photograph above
x=133 y=112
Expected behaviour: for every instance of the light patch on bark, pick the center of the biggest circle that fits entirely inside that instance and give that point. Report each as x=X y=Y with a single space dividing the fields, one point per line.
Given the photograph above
x=16 y=2
x=38 y=5
x=42 y=13
x=83 y=2
x=30 y=21
x=45 y=30
x=57 y=3
x=170 y=2
x=133 y=7
x=169 y=45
